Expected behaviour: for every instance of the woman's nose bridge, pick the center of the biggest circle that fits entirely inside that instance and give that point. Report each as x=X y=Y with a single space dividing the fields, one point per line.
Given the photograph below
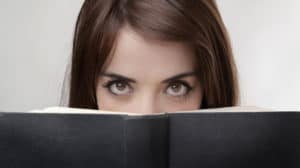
x=148 y=103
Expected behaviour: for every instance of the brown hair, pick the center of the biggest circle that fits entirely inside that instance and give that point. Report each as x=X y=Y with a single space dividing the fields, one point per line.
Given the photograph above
x=195 y=22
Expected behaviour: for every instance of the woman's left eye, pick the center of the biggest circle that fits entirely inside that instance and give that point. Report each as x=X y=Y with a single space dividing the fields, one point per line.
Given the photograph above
x=178 y=89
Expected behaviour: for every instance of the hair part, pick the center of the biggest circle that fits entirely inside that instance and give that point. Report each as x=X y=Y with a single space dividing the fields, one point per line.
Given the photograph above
x=195 y=22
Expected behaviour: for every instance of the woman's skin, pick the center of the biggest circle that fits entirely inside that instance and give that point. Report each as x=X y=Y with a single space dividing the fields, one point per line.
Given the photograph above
x=148 y=76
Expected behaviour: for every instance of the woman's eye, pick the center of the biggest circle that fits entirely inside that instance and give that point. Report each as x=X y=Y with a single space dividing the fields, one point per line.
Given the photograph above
x=178 y=89
x=119 y=87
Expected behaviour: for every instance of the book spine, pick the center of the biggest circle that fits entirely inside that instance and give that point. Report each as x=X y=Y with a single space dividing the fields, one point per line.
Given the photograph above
x=146 y=141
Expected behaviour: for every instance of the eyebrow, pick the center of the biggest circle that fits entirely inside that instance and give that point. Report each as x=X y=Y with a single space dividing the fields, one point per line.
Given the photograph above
x=179 y=76
x=121 y=77
x=118 y=76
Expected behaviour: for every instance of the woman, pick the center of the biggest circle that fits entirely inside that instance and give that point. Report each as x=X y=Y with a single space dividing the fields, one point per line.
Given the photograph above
x=151 y=56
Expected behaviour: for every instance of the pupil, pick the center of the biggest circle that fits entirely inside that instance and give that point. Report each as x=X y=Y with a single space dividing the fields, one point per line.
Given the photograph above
x=120 y=86
x=176 y=87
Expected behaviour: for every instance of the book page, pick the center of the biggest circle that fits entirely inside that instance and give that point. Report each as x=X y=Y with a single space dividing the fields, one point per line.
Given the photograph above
x=231 y=109
x=69 y=110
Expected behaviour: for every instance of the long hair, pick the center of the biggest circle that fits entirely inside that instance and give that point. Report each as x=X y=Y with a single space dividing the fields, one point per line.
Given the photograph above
x=197 y=23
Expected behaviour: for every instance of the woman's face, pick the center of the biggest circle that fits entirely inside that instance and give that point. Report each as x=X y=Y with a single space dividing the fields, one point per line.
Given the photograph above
x=147 y=76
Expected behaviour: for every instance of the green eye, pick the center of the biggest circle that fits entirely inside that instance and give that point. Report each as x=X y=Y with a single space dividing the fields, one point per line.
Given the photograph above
x=178 y=89
x=119 y=87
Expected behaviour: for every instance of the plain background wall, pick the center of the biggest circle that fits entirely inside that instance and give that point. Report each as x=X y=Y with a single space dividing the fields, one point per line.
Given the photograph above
x=36 y=39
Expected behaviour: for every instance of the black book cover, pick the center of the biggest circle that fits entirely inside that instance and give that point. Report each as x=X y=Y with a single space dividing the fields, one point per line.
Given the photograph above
x=169 y=140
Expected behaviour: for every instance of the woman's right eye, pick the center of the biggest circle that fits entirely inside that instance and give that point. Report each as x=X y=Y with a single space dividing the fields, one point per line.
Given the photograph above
x=118 y=87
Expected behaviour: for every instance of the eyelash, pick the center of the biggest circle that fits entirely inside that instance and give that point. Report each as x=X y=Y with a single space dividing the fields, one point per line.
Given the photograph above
x=185 y=84
x=108 y=85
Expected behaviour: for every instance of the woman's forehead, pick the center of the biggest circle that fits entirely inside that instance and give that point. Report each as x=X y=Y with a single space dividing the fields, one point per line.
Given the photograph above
x=134 y=55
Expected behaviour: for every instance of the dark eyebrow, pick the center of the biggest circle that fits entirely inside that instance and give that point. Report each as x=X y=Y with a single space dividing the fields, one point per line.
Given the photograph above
x=182 y=75
x=121 y=77
x=118 y=76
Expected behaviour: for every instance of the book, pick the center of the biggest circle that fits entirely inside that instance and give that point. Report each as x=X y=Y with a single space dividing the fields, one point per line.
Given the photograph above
x=63 y=137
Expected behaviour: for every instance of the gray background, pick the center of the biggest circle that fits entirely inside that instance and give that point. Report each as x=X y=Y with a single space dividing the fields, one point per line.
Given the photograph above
x=36 y=38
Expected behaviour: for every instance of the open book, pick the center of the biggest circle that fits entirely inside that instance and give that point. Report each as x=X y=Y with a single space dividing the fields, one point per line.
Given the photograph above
x=60 y=137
